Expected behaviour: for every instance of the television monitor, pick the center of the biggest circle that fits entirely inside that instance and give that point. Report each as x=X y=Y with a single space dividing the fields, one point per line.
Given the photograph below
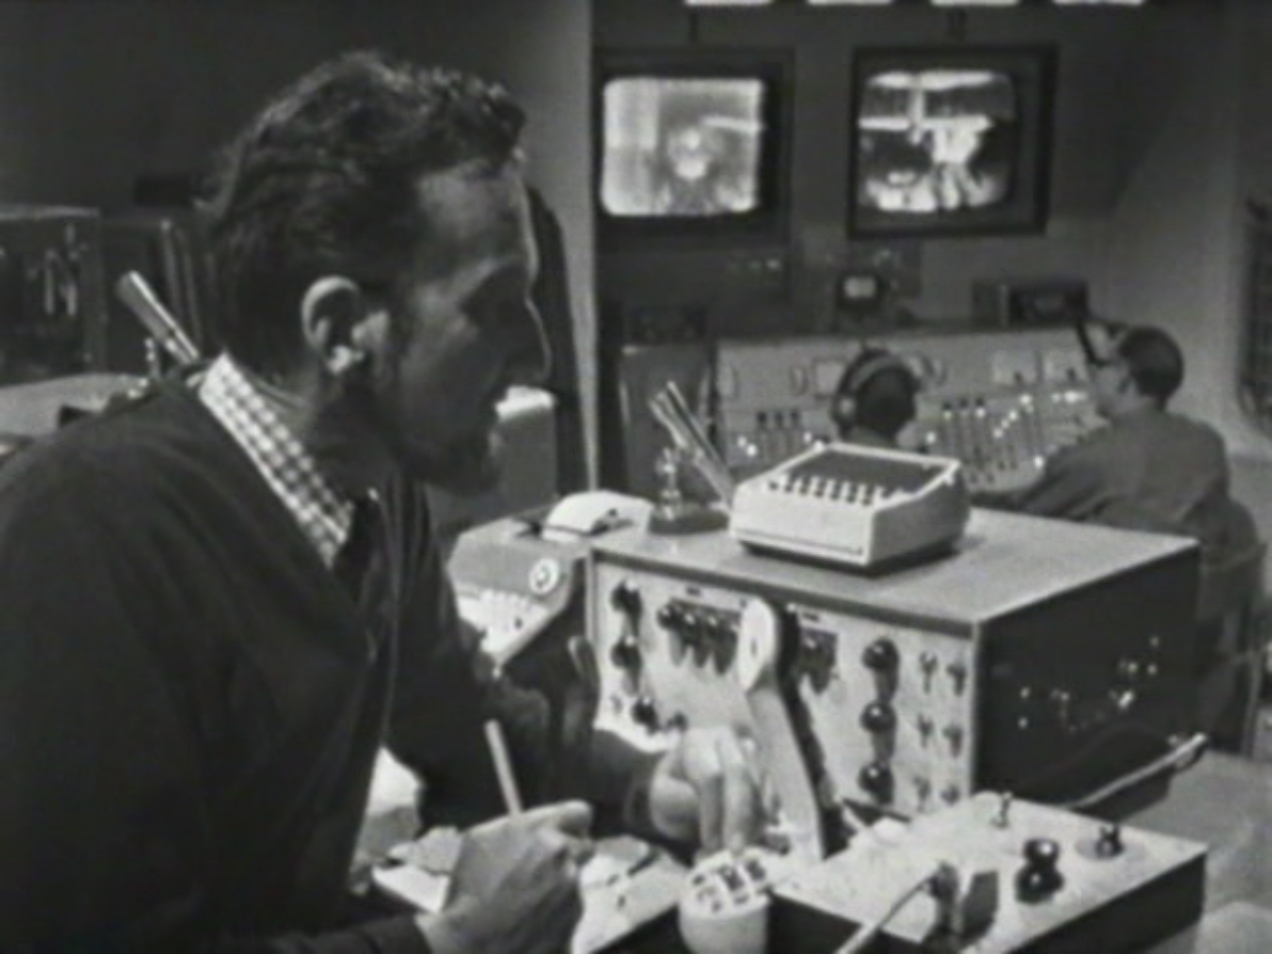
x=950 y=141
x=692 y=147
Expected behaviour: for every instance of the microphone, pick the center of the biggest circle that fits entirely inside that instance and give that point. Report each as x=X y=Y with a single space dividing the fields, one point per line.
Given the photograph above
x=672 y=412
x=137 y=295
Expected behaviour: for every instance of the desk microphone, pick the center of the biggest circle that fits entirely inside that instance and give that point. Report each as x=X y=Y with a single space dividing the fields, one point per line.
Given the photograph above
x=135 y=292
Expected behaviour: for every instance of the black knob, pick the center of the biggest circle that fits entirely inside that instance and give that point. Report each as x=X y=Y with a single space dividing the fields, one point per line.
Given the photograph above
x=625 y=654
x=723 y=643
x=626 y=599
x=1042 y=852
x=693 y=623
x=878 y=717
x=670 y=616
x=1040 y=877
x=645 y=713
x=1109 y=844
x=881 y=656
x=876 y=778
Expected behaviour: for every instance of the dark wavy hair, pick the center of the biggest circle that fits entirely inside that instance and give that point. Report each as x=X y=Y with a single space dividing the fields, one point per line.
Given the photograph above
x=325 y=180
x=1153 y=359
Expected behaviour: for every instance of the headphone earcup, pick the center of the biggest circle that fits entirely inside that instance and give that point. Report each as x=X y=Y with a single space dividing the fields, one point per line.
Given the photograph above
x=844 y=411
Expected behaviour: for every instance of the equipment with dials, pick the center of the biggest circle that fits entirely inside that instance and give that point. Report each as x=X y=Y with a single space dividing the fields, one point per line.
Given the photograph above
x=1062 y=882
x=861 y=506
x=999 y=401
x=1029 y=301
x=519 y=582
x=1045 y=658
x=724 y=909
x=52 y=298
x=516 y=576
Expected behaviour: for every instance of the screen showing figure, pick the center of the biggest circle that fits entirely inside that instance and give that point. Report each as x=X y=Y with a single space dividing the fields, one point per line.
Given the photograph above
x=682 y=147
x=936 y=141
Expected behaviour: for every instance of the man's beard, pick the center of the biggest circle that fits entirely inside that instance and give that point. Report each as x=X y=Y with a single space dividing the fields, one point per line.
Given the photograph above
x=466 y=466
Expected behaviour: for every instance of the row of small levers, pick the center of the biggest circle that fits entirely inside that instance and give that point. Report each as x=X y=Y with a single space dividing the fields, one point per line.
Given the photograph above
x=828 y=489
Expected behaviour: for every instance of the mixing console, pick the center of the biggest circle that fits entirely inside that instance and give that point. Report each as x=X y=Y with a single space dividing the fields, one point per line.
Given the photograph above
x=1000 y=402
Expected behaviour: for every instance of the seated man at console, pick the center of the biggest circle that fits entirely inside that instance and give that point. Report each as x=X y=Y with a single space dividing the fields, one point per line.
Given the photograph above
x=222 y=596
x=874 y=399
x=1148 y=468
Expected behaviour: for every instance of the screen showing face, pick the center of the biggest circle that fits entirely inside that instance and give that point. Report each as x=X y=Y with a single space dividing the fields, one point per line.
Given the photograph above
x=936 y=141
x=677 y=147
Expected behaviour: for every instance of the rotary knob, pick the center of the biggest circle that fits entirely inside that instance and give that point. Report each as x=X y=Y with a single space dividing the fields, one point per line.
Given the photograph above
x=881 y=655
x=879 y=718
x=876 y=778
x=645 y=713
x=625 y=654
x=626 y=599
x=1040 y=877
x=670 y=616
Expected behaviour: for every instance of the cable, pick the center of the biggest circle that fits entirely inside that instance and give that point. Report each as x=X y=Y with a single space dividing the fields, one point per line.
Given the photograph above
x=869 y=932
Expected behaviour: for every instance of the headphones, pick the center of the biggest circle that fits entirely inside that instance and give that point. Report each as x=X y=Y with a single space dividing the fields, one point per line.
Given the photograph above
x=868 y=363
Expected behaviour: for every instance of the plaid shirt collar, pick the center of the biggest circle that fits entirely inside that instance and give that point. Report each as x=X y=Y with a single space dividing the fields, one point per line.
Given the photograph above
x=323 y=515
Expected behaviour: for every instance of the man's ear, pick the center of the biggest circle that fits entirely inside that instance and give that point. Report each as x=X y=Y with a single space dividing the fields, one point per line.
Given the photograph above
x=1126 y=381
x=333 y=315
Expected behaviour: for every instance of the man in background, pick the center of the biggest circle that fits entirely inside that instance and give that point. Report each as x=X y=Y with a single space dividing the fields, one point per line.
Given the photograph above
x=221 y=598
x=1149 y=468
x=874 y=399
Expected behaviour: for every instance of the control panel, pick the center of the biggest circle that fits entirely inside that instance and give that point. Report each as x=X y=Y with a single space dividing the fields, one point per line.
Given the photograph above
x=998 y=401
x=667 y=648
x=995 y=875
x=896 y=700
x=1041 y=657
x=52 y=293
x=864 y=507
x=725 y=907
x=773 y=397
x=1001 y=402
x=675 y=653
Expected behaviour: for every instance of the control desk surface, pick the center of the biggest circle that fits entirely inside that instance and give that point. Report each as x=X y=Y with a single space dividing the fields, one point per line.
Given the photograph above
x=997 y=567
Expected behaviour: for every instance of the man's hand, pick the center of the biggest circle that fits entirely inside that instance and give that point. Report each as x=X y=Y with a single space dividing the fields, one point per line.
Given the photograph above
x=707 y=787
x=515 y=884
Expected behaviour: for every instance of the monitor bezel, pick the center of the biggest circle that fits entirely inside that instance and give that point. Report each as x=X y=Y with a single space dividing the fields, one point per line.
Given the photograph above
x=1028 y=210
x=770 y=222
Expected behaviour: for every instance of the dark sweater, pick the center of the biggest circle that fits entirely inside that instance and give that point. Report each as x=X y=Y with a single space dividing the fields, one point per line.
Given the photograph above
x=192 y=705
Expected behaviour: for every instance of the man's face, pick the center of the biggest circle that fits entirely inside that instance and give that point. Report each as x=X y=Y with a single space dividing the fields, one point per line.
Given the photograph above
x=1106 y=371
x=470 y=332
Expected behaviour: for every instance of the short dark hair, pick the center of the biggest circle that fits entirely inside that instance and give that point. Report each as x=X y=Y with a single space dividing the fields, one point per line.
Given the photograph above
x=1153 y=359
x=881 y=389
x=325 y=180
x=885 y=403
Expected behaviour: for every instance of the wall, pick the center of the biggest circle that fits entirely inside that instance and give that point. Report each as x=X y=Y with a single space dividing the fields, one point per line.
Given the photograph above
x=1120 y=74
x=94 y=93
x=1179 y=258
x=1252 y=28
